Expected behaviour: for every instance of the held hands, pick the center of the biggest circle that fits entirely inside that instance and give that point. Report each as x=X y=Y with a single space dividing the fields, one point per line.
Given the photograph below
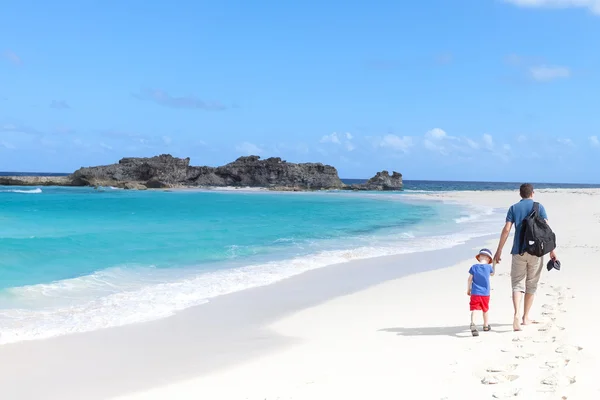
x=498 y=257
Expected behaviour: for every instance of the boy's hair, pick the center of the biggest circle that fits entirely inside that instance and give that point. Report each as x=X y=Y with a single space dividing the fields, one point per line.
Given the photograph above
x=526 y=190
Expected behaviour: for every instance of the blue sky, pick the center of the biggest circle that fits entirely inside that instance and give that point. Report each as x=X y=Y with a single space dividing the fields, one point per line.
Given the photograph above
x=435 y=89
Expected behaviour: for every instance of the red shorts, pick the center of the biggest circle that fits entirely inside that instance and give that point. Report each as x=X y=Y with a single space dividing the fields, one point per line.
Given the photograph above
x=479 y=303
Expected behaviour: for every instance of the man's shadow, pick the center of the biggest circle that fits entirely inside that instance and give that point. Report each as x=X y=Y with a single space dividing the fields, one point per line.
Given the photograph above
x=462 y=331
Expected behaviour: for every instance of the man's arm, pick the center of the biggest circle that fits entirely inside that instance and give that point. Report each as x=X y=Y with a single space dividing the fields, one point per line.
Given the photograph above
x=503 y=238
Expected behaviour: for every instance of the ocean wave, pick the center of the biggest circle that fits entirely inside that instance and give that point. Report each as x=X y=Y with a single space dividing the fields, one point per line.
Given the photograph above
x=26 y=191
x=120 y=296
x=473 y=213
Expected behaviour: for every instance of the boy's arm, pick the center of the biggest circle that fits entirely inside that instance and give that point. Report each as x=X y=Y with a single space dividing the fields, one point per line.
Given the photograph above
x=493 y=268
x=469 y=284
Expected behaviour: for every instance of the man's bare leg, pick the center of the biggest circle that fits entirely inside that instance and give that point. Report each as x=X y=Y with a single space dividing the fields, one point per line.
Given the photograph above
x=517 y=296
x=528 y=303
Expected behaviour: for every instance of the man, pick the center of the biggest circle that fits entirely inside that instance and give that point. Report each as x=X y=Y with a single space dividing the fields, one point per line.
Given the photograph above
x=526 y=269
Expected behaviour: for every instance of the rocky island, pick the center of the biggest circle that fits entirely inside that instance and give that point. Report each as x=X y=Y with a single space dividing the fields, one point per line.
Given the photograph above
x=166 y=171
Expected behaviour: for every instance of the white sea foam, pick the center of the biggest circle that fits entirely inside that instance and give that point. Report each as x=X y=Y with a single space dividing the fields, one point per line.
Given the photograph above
x=26 y=191
x=474 y=212
x=119 y=296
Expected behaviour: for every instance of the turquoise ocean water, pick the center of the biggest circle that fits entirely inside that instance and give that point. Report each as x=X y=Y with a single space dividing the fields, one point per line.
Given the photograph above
x=78 y=259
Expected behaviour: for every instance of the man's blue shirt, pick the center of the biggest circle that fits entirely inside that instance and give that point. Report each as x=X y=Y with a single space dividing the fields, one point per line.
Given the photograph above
x=481 y=279
x=516 y=214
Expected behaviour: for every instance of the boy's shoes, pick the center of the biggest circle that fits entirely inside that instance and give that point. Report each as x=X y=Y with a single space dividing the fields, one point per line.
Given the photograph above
x=474 y=330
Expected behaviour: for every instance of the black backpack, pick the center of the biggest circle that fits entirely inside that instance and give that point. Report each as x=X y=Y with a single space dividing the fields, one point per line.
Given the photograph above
x=537 y=238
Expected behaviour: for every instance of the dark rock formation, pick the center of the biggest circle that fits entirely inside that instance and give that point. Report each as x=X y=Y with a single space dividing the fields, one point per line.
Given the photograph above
x=166 y=171
x=254 y=172
x=160 y=171
x=383 y=181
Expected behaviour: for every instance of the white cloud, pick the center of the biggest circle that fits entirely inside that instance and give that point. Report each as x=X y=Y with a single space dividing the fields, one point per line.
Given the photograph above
x=106 y=146
x=592 y=5
x=545 y=73
x=521 y=138
x=566 y=142
x=488 y=141
x=471 y=143
x=430 y=145
x=333 y=138
x=394 y=142
x=434 y=140
x=249 y=149
x=436 y=134
x=345 y=140
x=439 y=141
x=167 y=140
x=594 y=141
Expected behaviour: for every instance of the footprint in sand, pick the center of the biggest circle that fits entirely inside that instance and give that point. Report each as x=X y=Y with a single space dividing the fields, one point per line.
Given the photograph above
x=545 y=339
x=522 y=339
x=507 y=394
x=497 y=379
x=555 y=380
x=505 y=368
x=548 y=306
x=524 y=356
x=548 y=314
x=568 y=349
x=562 y=362
x=551 y=327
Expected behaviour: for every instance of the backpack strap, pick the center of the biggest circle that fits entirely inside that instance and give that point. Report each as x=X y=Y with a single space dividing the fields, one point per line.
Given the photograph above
x=534 y=212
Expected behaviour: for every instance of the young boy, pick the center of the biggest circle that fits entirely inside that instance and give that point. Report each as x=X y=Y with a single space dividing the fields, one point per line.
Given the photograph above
x=479 y=288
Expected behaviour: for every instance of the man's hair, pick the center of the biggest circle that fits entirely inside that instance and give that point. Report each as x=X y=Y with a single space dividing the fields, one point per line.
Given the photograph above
x=526 y=190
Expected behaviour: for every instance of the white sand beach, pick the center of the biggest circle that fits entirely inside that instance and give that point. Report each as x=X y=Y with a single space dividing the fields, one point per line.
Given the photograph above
x=401 y=339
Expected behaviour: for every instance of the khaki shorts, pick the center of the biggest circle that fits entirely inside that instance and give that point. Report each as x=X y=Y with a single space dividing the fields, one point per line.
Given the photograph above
x=525 y=272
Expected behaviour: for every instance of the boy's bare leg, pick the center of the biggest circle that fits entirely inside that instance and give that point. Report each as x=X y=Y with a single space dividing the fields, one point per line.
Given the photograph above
x=486 y=321
x=474 y=331
x=517 y=296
